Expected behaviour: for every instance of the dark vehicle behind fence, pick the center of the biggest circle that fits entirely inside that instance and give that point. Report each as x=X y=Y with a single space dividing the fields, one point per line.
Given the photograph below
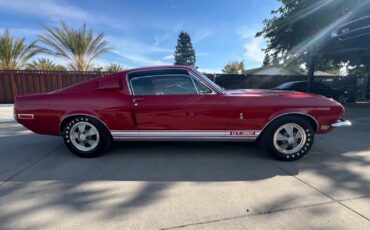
x=317 y=88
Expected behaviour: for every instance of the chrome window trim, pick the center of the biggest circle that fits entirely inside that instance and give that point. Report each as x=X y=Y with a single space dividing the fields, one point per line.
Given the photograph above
x=132 y=91
x=196 y=88
x=144 y=70
x=206 y=83
x=202 y=82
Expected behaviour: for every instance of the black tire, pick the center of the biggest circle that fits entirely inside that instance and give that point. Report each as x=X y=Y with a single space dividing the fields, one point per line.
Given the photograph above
x=102 y=140
x=269 y=144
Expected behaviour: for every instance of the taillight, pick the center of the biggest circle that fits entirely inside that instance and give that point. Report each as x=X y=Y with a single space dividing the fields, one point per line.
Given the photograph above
x=26 y=116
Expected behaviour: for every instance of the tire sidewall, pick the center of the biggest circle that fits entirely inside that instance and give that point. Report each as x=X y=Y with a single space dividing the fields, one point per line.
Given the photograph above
x=269 y=142
x=104 y=137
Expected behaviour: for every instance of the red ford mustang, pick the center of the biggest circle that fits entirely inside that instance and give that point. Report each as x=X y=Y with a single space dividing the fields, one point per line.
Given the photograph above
x=177 y=103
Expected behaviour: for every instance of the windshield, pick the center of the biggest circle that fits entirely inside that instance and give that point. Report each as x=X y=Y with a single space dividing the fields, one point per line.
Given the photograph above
x=209 y=81
x=285 y=85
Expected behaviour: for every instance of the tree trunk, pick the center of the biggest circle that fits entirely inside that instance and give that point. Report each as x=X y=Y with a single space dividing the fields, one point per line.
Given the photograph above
x=311 y=72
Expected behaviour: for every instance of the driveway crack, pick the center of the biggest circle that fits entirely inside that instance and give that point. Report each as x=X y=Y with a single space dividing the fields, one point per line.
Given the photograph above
x=318 y=190
x=247 y=215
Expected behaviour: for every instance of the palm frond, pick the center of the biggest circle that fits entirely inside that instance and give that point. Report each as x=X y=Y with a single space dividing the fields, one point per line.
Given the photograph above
x=78 y=47
x=114 y=68
x=14 y=53
x=44 y=64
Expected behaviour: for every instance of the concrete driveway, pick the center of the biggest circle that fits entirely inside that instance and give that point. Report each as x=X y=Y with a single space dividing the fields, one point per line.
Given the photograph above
x=184 y=185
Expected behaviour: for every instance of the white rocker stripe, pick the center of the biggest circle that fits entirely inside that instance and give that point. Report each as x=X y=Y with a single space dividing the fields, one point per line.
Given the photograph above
x=130 y=134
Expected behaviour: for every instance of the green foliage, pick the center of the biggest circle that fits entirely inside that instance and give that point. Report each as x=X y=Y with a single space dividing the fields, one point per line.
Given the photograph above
x=234 y=67
x=301 y=27
x=78 y=47
x=360 y=70
x=267 y=60
x=44 y=64
x=114 y=68
x=14 y=53
x=184 y=53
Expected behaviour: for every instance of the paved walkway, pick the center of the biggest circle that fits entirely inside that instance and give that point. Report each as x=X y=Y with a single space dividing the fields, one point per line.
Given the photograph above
x=184 y=185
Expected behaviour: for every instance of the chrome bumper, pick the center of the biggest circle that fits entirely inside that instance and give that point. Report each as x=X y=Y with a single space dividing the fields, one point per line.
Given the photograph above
x=341 y=124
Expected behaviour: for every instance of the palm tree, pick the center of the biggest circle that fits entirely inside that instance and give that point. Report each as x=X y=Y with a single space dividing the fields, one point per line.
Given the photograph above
x=78 y=47
x=114 y=68
x=14 y=53
x=44 y=64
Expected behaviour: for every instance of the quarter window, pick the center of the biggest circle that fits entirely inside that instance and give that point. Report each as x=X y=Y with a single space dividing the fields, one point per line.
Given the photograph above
x=163 y=85
x=202 y=88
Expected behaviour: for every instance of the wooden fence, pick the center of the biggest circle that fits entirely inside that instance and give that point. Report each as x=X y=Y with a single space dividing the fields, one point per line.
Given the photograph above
x=14 y=83
x=239 y=81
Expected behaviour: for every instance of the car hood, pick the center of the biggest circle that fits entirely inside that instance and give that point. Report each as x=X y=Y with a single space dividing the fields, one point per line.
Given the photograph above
x=265 y=93
x=262 y=97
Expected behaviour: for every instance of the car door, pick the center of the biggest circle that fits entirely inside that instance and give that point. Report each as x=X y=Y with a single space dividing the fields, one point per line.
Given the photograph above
x=174 y=100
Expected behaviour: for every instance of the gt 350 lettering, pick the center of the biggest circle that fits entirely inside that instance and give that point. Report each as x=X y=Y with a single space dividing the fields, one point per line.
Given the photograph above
x=243 y=133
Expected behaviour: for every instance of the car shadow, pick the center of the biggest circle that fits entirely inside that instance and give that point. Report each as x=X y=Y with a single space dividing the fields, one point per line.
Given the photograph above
x=148 y=168
x=45 y=166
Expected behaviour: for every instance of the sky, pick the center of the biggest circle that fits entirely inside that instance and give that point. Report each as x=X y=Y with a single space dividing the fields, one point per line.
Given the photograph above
x=144 y=32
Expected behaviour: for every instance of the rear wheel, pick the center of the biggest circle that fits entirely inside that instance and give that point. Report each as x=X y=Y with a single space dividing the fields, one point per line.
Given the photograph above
x=289 y=138
x=86 y=137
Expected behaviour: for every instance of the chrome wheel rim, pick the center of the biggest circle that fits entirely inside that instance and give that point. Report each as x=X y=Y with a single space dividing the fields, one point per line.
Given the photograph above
x=84 y=136
x=289 y=138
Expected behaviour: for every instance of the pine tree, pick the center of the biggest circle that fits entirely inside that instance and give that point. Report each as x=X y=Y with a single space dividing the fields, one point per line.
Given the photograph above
x=185 y=53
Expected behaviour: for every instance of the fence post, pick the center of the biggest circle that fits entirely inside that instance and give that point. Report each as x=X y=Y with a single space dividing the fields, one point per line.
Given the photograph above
x=14 y=85
x=60 y=80
x=366 y=87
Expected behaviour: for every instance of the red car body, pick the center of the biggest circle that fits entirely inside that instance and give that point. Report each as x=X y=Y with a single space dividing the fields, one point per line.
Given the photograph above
x=235 y=114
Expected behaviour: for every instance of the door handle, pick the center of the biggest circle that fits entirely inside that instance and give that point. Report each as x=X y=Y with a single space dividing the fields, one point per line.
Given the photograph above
x=135 y=100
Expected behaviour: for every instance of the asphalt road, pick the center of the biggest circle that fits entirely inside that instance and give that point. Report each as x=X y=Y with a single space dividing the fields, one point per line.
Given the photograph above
x=174 y=185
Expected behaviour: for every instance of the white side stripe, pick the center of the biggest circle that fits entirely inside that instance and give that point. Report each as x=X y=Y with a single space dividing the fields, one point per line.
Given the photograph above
x=186 y=133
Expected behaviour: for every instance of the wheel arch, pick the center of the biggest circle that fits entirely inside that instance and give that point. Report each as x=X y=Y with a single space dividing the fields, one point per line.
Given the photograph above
x=311 y=119
x=69 y=117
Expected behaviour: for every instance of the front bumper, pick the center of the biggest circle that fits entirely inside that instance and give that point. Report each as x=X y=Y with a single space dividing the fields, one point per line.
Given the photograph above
x=341 y=123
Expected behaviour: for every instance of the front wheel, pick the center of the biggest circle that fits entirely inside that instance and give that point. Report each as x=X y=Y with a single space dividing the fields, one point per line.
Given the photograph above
x=289 y=138
x=86 y=137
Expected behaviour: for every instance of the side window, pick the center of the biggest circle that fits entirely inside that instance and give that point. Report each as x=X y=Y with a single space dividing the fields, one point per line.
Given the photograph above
x=163 y=85
x=202 y=88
